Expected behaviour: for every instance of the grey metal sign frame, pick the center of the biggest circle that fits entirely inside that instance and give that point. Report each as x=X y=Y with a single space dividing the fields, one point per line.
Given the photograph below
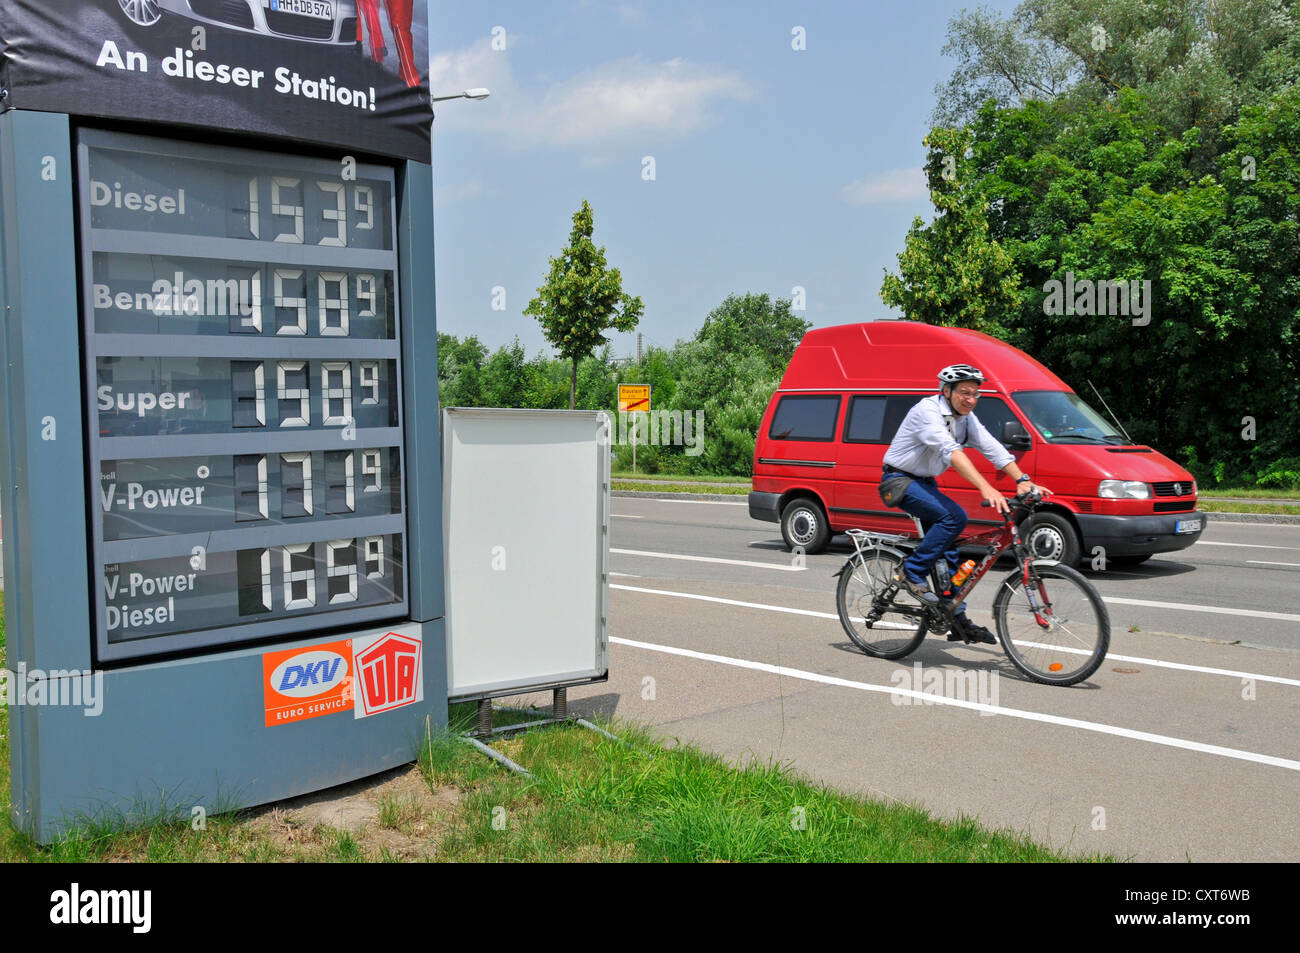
x=185 y=733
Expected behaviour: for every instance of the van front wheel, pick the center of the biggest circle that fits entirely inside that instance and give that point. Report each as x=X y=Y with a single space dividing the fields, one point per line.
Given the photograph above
x=1050 y=536
x=804 y=525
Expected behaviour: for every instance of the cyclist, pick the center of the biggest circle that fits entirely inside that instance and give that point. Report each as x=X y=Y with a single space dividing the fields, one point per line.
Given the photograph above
x=929 y=440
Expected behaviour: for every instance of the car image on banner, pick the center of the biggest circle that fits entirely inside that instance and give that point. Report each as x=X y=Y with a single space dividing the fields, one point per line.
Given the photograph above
x=314 y=21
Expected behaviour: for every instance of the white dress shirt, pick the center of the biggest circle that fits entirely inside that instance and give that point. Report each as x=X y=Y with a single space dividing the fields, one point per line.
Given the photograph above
x=929 y=434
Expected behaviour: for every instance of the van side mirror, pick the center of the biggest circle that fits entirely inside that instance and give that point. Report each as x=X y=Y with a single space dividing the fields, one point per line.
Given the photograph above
x=1015 y=436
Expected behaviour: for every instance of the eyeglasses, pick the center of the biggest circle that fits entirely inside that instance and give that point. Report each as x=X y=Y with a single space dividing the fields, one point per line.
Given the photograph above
x=975 y=395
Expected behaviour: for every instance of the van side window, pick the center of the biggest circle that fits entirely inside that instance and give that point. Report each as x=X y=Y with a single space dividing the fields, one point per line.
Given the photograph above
x=865 y=421
x=805 y=418
x=876 y=419
x=993 y=412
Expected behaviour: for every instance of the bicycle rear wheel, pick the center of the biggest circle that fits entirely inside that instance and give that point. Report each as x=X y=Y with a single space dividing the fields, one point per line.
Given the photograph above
x=863 y=581
x=1061 y=635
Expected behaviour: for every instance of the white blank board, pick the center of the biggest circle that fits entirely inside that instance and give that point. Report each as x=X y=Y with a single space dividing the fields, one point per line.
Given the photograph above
x=526 y=537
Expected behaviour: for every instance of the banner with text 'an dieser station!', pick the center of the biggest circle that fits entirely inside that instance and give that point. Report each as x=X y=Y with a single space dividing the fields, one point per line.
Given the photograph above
x=349 y=73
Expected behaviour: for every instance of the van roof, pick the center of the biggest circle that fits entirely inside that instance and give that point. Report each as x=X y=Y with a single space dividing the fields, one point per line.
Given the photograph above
x=908 y=354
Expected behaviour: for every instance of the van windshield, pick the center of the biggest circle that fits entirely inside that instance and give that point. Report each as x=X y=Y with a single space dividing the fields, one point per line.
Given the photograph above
x=1063 y=417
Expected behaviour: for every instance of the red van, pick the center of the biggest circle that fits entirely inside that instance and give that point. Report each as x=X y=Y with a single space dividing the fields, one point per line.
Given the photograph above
x=819 y=449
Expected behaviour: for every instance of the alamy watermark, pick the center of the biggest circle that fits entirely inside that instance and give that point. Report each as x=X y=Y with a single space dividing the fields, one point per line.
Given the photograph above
x=72 y=688
x=924 y=686
x=1104 y=297
x=195 y=297
x=660 y=428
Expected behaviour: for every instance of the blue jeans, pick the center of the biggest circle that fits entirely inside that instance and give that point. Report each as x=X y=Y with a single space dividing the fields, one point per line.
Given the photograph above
x=942 y=520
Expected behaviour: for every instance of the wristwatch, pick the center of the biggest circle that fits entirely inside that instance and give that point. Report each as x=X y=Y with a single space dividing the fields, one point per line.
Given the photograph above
x=1022 y=478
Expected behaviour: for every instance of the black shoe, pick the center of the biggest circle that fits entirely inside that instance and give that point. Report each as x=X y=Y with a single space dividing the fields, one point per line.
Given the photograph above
x=963 y=629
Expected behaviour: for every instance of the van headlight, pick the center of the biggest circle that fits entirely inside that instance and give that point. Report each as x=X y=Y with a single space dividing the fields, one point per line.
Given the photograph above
x=1124 y=490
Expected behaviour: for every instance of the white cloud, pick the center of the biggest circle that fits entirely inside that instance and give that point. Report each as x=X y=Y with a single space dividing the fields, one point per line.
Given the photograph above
x=623 y=101
x=631 y=14
x=469 y=189
x=896 y=185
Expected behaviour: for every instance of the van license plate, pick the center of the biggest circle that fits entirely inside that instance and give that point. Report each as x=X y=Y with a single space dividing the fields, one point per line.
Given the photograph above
x=1187 y=526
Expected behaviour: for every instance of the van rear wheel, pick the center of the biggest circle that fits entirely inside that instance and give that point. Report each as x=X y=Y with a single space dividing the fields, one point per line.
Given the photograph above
x=804 y=525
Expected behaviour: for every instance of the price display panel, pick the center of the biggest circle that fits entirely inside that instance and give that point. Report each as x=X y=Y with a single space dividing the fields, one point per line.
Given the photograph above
x=243 y=369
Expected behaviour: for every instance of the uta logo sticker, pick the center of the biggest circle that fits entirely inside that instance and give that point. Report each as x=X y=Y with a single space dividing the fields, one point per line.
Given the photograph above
x=388 y=673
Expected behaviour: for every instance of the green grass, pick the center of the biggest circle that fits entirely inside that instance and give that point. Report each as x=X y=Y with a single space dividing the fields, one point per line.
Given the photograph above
x=1214 y=506
x=1251 y=494
x=593 y=799
x=666 y=487
x=590 y=799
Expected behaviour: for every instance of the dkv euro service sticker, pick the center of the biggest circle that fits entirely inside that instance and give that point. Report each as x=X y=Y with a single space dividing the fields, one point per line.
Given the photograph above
x=307 y=682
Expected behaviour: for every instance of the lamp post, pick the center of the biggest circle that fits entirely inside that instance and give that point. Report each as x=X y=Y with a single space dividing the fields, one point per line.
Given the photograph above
x=476 y=93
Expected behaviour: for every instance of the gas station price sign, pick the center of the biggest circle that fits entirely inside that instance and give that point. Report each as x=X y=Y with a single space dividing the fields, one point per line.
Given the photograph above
x=243 y=372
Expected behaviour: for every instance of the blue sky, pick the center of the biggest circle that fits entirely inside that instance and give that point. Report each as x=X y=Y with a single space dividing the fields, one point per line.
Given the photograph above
x=773 y=167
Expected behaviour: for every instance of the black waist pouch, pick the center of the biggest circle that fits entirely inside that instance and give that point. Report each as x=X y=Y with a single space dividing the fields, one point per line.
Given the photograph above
x=892 y=489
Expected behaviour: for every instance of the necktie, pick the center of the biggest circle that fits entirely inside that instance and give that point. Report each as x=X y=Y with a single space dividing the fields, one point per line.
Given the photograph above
x=951 y=421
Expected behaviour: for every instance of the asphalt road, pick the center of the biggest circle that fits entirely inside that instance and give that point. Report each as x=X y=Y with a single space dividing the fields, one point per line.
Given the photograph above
x=1184 y=745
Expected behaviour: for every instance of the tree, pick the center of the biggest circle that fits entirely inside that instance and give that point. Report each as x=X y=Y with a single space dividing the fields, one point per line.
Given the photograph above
x=1198 y=59
x=1171 y=162
x=950 y=272
x=997 y=59
x=460 y=364
x=582 y=299
x=754 y=321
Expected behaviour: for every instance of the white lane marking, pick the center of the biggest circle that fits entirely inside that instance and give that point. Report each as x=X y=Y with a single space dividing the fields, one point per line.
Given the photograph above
x=1157 y=663
x=1262 y=562
x=710 y=559
x=630 y=575
x=656 y=499
x=624 y=516
x=1219 y=610
x=732 y=602
x=1206 y=542
x=1098 y=727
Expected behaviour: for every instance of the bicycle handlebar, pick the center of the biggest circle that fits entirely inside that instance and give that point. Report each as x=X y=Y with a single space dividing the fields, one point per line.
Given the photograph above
x=1028 y=501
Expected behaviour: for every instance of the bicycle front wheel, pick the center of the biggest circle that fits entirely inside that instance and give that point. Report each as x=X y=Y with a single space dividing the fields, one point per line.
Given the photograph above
x=866 y=591
x=1056 y=629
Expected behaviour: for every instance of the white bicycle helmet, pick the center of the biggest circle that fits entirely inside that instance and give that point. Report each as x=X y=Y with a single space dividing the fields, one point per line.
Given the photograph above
x=956 y=373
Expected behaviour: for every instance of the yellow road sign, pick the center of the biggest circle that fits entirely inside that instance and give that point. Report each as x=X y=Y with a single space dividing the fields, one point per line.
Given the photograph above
x=634 y=397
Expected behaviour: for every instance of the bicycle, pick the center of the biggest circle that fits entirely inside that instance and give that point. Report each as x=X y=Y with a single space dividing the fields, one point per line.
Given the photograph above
x=1051 y=621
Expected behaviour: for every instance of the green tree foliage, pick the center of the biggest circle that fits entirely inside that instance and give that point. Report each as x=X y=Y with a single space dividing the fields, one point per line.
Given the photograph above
x=582 y=299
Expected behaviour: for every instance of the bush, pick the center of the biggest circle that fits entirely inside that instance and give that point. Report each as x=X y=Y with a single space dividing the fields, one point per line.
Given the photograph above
x=1281 y=474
